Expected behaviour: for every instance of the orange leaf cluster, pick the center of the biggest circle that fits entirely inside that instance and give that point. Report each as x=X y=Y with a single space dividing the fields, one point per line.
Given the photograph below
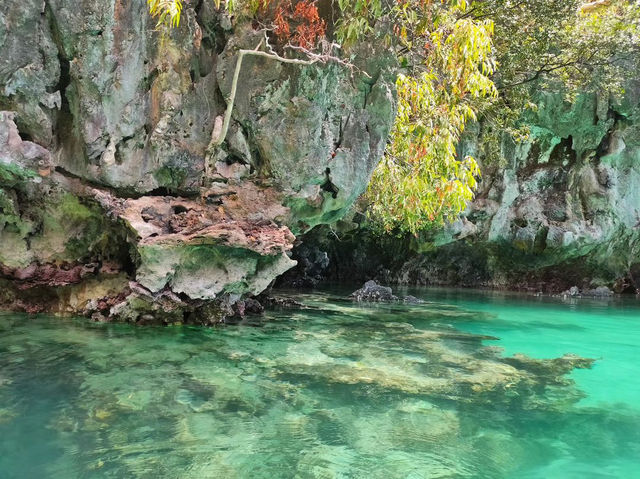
x=299 y=25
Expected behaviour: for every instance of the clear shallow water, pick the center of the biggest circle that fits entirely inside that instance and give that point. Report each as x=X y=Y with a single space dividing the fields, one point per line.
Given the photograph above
x=337 y=391
x=543 y=327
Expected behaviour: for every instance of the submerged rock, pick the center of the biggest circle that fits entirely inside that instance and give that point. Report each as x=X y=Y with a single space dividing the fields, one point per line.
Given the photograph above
x=413 y=300
x=372 y=291
x=599 y=292
x=332 y=391
x=573 y=291
x=280 y=302
x=443 y=365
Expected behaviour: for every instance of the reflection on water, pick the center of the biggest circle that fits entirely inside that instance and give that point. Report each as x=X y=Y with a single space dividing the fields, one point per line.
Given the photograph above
x=334 y=391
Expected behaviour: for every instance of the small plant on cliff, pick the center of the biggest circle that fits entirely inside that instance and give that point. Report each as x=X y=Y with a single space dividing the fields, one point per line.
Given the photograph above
x=300 y=24
x=167 y=12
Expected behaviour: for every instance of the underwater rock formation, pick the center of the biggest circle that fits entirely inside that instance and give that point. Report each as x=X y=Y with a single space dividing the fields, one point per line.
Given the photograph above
x=114 y=198
x=337 y=379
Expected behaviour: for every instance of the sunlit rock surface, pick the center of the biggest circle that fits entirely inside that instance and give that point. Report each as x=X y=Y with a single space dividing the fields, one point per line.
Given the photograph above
x=109 y=164
x=560 y=209
x=565 y=207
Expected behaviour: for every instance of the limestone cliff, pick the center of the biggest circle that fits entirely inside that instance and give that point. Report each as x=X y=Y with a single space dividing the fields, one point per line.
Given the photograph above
x=114 y=199
x=562 y=209
x=565 y=208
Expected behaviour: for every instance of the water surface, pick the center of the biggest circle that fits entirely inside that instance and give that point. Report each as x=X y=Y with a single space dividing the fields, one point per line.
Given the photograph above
x=334 y=391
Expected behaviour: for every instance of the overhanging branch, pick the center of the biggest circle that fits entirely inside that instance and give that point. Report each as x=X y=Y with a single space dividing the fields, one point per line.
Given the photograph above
x=234 y=87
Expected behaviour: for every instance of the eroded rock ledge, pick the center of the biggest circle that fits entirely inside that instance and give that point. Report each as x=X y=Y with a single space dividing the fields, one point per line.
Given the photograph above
x=114 y=200
x=561 y=209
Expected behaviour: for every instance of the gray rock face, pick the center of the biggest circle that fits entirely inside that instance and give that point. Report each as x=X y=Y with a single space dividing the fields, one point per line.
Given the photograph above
x=117 y=120
x=29 y=68
x=373 y=292
x=565 y=208
x=318 y=131
x=138 y=118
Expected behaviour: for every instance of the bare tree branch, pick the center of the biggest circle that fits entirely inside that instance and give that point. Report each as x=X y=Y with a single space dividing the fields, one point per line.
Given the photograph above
x=591 y=6
x=220 y=130
x=217 y=141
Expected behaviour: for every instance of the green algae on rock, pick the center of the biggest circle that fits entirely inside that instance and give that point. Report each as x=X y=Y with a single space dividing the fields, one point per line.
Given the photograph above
x=565 y=208
x=561 y=209
x=108 y=168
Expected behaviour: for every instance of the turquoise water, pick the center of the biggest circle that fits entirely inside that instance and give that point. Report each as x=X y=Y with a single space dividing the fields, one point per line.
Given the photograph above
x=543 y=327
x=333 y=391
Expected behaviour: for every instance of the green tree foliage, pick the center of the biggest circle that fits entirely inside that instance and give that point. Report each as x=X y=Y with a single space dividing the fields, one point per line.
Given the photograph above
x=566 y=46
x=563 y=46
x=448 y=65
x=167 y=12
x=563 y=41
x=356 y=19
x=464 y=61
x=447 y=62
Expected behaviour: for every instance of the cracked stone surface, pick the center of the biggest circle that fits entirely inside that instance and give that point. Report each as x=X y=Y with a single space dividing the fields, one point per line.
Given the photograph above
x=107 y=168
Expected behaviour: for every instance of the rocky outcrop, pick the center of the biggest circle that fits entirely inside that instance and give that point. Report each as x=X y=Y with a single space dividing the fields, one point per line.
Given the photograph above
x=599 y=292
x=115 y=199
x=310 y=269
x=565 y=208
x=372 y=291
x=561 y=210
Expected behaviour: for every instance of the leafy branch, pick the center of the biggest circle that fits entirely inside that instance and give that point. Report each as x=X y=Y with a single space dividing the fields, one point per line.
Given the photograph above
x=167 y=12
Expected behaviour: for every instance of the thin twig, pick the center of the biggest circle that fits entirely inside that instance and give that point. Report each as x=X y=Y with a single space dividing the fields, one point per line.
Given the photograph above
x=327 y=57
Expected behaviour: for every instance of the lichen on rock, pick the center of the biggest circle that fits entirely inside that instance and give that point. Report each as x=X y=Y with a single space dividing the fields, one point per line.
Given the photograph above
x=561 y=209
x=108 y=169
